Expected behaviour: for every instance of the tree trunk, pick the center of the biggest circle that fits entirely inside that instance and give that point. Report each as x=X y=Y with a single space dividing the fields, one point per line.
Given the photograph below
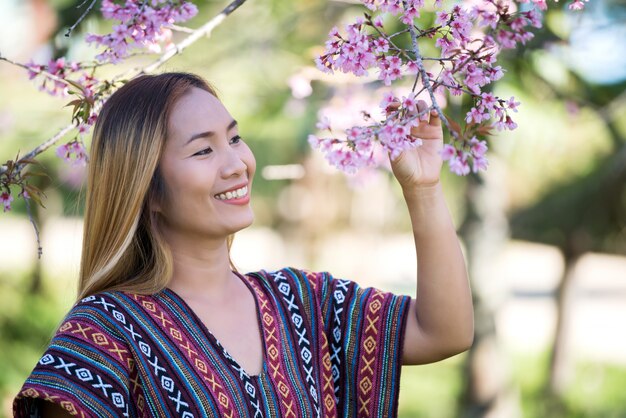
x=559 y=366
x=488 y=390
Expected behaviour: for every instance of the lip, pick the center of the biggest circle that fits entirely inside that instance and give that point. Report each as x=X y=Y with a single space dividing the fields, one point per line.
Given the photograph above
x=239 y=201
x=244 y=200
x=234 y=188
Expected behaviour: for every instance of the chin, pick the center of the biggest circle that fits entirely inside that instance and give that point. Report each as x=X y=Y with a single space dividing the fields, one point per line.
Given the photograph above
x=243 y=225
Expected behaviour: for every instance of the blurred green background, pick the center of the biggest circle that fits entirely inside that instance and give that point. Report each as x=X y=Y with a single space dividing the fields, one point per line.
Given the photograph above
x=544 y=229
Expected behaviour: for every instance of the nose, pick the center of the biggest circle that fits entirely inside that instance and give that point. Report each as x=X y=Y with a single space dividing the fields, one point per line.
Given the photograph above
x=233 y=165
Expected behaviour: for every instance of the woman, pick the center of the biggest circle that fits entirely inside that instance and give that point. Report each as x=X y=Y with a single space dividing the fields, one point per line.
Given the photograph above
x=166 y=326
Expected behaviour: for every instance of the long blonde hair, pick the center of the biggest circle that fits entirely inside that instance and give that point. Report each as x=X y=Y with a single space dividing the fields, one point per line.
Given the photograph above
x=123 y=248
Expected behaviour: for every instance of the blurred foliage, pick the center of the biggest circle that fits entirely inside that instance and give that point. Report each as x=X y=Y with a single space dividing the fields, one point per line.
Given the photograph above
x=595 y=389
x=27 y=322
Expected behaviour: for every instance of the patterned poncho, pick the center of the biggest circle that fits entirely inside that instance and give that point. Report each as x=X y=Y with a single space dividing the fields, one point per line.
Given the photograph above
x=331 y=348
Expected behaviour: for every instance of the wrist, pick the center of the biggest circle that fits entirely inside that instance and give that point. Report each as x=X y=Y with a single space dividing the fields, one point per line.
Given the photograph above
x=422 y=189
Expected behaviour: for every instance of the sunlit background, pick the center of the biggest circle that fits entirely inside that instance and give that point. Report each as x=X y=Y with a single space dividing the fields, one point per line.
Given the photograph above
x=543 y=230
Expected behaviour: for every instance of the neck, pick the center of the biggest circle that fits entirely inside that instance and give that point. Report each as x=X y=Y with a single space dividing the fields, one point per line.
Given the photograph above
x=201 y=269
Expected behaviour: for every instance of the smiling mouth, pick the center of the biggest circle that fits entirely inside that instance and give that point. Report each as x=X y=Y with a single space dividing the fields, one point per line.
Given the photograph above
x=232 y=195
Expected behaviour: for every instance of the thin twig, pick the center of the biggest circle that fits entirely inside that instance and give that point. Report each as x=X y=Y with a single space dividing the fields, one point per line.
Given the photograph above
x=80 y=19
x=39 y=149
x=436 y=59
x=32 y=221
x=37 y=71
x=180 y=28
x=426 y=80
x=393 y=35
x=388 y=38
x=455 y=87
x=203 y=30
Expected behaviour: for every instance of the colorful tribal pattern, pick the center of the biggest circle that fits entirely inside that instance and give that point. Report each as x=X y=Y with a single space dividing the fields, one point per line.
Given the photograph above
x=331 y=349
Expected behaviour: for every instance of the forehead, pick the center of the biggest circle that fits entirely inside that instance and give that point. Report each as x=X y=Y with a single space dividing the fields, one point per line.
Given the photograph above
x=197 y=111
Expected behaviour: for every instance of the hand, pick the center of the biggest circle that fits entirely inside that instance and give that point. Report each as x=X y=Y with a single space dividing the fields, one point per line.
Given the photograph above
x=421 y=166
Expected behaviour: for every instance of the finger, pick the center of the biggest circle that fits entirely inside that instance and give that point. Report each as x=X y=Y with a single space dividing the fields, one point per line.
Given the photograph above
x=435 y=120
x=421 y=107
x=391 y=107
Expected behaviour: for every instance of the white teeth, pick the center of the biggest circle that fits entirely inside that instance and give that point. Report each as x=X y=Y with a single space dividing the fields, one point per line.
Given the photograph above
x=234 y=194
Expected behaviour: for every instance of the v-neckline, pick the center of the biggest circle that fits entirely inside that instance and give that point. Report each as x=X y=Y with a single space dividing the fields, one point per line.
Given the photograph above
x=215 y=341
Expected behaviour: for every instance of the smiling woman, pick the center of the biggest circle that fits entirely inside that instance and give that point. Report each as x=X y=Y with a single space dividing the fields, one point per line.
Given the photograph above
x=204 y=163
x=165 y=325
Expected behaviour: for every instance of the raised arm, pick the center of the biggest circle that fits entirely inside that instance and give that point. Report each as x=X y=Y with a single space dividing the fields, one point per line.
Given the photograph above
x=440 y=322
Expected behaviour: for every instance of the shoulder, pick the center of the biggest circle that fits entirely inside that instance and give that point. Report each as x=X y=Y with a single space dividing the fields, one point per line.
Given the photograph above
x=290 y=275
x=102 y=306
x=304 y=282
x=101 y=316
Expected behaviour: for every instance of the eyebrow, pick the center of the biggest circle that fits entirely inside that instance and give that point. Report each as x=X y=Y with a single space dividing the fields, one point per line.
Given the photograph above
x=209 y=134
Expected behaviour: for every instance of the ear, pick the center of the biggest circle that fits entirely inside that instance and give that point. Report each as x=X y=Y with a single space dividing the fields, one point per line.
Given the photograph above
x=154 y=206
x=156 y=193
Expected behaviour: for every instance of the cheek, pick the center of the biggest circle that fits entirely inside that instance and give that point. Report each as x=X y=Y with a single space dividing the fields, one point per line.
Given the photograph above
x=185 y=187
x=250 y=161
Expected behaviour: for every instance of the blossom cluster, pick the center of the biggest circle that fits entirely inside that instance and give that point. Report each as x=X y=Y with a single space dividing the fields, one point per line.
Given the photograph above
x=459 y=159
x=56 y=75
x=469 y=41
x=357 y=149
x=575 y=5
x=141 y=24
x=61 y=78
x=73 y=152
x=5 y=200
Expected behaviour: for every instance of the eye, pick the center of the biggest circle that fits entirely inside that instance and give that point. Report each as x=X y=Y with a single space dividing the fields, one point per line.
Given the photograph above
x=205 y=151
x=235 y=139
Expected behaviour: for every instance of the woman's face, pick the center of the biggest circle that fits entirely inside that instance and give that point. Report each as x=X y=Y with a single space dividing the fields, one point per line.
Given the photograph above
x=207 y=170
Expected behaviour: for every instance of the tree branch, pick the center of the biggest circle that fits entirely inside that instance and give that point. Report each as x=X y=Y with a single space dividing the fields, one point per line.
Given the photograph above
x=194 y=36
x=204 y=30
x=426 y=80
x=35 y=70
x=80 y=19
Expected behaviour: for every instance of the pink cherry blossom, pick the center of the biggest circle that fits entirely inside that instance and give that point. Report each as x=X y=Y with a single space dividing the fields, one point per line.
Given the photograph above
x=448 y=152
x=412 y=68
x=73 y=152
x=442 y=18
x=5 y=200
x=24 y=194
x=314 y=141
x=478 y=148
x=576 y=5
x=479 y=163
x=488 y=101
x=381 y=45
x=512 y=104
x=409 y=15
x=541 y=3
x=390 y=69
x=388 y=98
x=509 y=123
x=410 y=102
x=140 y=25
x=475 y=115
x=459 y=164
x=323 y=124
